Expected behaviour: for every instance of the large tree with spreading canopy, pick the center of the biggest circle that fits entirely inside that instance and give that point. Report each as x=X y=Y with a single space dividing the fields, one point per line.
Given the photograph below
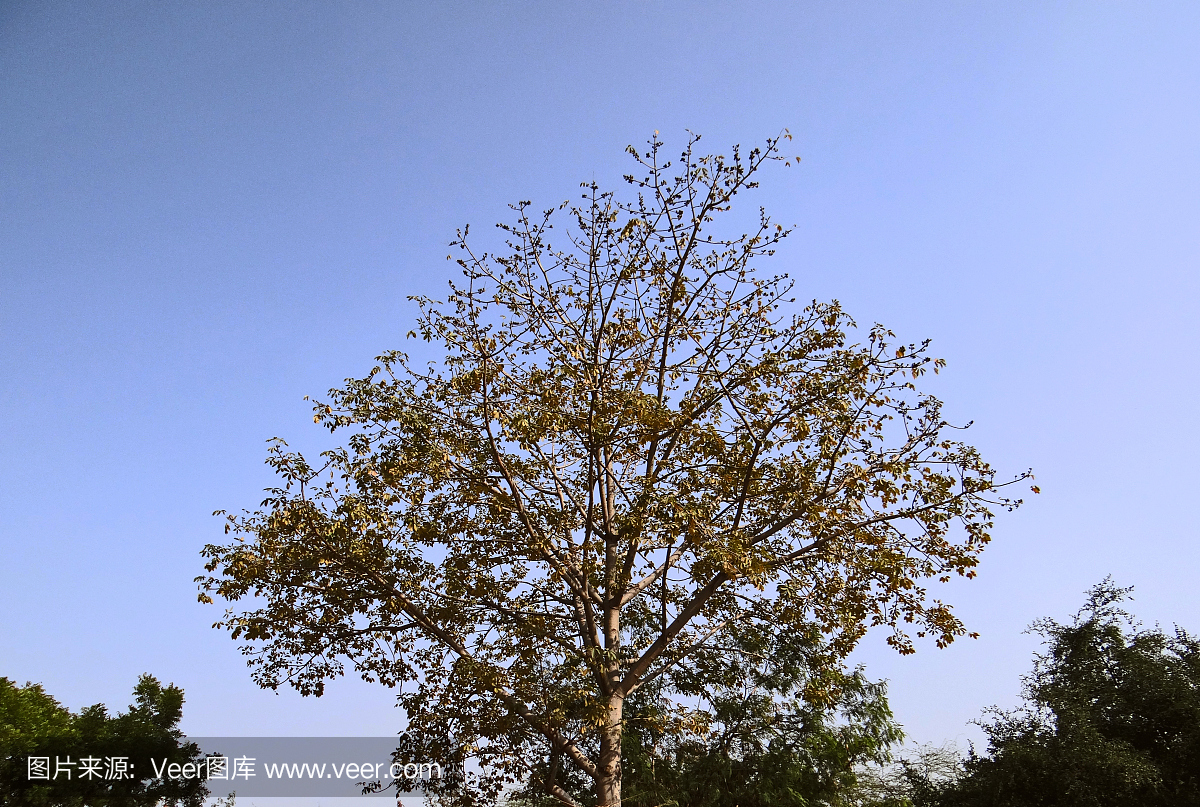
x=633 y=455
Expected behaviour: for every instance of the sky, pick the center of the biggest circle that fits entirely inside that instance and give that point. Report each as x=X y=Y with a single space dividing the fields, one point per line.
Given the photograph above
x=209 y=210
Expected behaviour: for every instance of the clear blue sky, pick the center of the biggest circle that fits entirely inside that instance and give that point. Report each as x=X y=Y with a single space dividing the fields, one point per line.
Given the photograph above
x=211 y=209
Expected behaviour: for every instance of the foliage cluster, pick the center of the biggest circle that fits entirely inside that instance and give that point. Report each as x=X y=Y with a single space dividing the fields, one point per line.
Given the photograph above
x=1111 y=717
x=32 y=723
x=775 y=726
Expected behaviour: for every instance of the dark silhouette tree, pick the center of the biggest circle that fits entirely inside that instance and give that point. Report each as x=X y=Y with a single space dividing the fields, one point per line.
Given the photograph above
x=1111 y=717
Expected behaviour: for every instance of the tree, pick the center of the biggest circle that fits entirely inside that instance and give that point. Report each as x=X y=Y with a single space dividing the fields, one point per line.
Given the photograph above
x=33 y=724
x=914 y=779
x=1112 y=717
x=631 y=446
x=771 y=737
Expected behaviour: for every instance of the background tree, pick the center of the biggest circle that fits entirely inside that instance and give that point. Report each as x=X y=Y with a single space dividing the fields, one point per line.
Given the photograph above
x=632 y=445
x=32 y=723
x=913 y=780
x=777 y=729
x=1112 y=717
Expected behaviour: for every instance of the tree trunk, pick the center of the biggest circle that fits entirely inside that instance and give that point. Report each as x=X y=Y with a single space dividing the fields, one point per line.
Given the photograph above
x=608 y=782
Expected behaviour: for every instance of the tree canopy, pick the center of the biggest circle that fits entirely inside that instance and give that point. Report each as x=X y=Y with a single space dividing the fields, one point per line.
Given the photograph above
x=1111 y=717
x=34 y=724
x=629 y=448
